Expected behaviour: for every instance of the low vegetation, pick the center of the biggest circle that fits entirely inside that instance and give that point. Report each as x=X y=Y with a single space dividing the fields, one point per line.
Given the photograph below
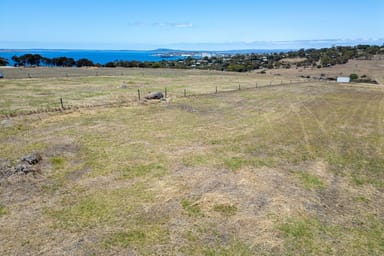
x=324 y=57
x=3 y=210
x=285 y=170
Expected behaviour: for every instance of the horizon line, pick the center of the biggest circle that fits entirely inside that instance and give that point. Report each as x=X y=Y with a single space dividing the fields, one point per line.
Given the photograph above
x=199 y=46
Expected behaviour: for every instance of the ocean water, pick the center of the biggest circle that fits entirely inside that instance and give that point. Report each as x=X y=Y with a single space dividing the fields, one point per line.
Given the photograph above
x=104 y=56
x=97 y=56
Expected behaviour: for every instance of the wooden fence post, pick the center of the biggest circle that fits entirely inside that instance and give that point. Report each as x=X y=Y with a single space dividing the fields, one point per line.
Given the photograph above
x=61 y=103
x=216 y=90
x=165 y=93
x=138 y=93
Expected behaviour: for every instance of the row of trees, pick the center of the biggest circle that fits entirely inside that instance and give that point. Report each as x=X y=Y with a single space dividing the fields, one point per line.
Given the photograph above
x=3 y=62
x=37 y=60
x=240 y=62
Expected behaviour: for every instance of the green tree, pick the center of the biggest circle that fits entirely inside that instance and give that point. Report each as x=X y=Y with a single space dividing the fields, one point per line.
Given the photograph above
x=63 y=62
x=27 y=60
x=84 y=63
x=3 y=61
x=353 y=76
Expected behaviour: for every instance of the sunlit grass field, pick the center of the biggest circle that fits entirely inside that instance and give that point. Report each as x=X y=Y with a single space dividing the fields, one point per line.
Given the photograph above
x=111 y=85
x=288 y=170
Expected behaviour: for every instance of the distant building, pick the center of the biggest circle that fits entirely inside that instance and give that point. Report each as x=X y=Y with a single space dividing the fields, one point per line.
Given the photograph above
x=206 y=54
x=343 y=79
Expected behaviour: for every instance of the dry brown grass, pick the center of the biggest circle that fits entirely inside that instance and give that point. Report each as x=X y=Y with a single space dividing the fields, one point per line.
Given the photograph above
x=371 y=68
x=291 y=170
x=84 y=89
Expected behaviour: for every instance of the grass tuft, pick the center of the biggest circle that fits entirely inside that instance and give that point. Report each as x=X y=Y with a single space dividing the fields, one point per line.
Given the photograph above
x=57 y=162
x=237 y=248
x=234 y=163
x=310 y=181
x=191 y=208
x=3 y=210
x=225 y=209
x=152 y=169
x=125 y=239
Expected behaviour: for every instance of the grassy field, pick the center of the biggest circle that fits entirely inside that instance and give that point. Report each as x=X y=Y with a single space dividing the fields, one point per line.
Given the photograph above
x=287 y=170
x=112 y=85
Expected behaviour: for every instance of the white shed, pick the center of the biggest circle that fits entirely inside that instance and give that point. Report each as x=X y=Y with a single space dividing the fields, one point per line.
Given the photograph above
x=343 y=79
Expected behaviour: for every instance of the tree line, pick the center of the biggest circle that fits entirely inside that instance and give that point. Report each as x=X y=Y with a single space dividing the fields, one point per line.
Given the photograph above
x=38 y=60
x=324 y=57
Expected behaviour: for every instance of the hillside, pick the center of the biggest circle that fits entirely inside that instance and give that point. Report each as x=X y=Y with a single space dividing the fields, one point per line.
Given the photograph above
x=291 y=169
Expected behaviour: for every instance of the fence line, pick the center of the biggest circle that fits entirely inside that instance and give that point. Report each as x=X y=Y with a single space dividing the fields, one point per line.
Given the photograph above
x=129 y=101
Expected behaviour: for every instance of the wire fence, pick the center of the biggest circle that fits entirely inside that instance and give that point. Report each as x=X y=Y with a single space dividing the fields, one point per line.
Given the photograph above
x=130 y=98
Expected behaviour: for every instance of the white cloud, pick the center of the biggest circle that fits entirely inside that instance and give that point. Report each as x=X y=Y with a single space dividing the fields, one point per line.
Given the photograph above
x=161 y=24
x=183 y=25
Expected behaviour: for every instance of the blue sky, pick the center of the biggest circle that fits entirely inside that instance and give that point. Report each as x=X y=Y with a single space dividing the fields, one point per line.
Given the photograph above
x=194 y=24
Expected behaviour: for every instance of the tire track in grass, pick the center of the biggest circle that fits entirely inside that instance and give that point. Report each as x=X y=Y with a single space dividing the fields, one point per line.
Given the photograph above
x=326 y=104
x=380 y=124
x=303 y=129
x=316 y=119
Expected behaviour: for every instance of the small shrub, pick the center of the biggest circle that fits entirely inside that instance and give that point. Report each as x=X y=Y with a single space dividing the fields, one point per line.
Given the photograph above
x=353 y=76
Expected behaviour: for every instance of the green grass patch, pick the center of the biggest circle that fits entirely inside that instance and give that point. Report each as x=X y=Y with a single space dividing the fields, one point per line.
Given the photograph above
x=125 y=239
x=195 y=159
x=89 y=212
x=152 y=169
x=101 y=208
x=205 y=239
x=234 y=163
x=190 y=208
x=308 y=236
x=225 y=209
x=262 y=162
x=362 y=199
x=57 y=162
x=301 y=237
x=3 y=210
x=297 y=229
x=140 y=236
x=310 y=181
x=236 y=247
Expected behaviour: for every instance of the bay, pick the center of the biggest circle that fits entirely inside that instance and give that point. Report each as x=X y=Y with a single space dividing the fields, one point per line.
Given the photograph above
x=104 y=56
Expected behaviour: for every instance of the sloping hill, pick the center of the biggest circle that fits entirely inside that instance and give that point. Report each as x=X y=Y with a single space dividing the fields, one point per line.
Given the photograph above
x=290 y=170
